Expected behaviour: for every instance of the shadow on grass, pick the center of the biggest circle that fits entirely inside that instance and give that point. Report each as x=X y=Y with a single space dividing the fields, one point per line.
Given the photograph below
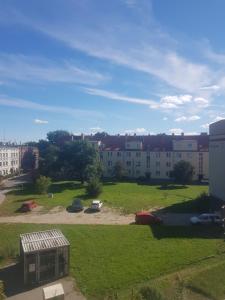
x=12 y=277
x=186 y=206
x=189 y=232
x=172 y=187
x=67 y=185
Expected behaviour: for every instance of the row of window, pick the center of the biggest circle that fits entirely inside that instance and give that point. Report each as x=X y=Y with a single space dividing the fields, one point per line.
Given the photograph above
x=6 y=163
x=7 y=155
x=7 y=172
x=157 y=154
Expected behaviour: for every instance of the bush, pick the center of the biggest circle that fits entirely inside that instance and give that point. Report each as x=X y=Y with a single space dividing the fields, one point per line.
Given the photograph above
x=42 y=184
x=94 y=187
x=149 y=293
x=2 y=296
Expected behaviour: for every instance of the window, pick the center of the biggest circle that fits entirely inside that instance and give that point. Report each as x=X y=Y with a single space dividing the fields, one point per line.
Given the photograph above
x=128 y=163
x=118 y=154
x=168 y=154
x=128 y=154
x=179 y=155
x=167 y=174
x=168 y=164
x=138 y=164
x=138 y=154
x=109 y=163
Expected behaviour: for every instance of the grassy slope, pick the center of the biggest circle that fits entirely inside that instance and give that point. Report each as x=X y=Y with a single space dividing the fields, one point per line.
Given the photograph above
x=105 y=258
x=130 y=197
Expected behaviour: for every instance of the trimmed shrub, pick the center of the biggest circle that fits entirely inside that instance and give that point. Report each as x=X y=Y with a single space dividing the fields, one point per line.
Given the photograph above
x=94 y=187
x=42 y=184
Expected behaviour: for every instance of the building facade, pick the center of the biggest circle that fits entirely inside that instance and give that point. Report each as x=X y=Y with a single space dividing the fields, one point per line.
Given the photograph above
x=153 y=156
x=13 y=158
x=9 y=160
x=217 y=160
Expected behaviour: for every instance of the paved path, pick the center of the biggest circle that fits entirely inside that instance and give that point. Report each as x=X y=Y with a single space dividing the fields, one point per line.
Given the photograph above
x=71 y=292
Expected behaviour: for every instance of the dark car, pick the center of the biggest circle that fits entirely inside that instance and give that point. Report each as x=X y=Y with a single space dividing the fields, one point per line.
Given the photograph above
x=28 y=206
x=76 y=205
x=146 y=218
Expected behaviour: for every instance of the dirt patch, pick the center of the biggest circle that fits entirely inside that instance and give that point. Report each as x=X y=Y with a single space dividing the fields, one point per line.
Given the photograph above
x=105 y=216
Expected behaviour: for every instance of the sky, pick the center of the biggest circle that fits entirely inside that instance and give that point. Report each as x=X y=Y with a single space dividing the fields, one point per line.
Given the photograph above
x=121 y=66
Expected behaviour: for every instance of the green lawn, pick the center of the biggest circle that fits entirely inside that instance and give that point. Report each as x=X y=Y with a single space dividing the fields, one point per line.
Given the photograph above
x=119 y=258
x=129 y=197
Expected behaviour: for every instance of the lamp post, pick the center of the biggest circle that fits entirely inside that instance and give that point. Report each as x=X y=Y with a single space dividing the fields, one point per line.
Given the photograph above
x=223 y=219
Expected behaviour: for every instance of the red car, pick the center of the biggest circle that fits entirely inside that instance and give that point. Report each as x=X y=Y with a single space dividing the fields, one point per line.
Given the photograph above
x=146 y=218
x=28 y=206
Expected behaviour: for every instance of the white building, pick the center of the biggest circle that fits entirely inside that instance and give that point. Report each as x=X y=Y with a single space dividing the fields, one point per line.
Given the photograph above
x=217 y=160
x=153 y=155
x=9 y=160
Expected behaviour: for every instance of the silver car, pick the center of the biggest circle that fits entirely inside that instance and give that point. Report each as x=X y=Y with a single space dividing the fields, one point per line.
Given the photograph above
x=206 y=219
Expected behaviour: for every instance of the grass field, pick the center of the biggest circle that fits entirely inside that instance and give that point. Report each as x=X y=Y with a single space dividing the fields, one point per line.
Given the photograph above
x=106 y=259
x=129 y=197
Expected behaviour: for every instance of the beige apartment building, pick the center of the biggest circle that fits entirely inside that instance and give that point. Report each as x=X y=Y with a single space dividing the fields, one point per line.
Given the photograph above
x=153 y=155
x=217 y=160
x=9 y=160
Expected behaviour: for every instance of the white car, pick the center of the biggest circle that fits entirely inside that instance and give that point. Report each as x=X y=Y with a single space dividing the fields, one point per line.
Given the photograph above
x=206 y=219
x=96 y=205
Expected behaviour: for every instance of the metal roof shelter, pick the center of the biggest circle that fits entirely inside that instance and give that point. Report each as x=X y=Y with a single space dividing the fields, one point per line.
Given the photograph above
x=45 y=255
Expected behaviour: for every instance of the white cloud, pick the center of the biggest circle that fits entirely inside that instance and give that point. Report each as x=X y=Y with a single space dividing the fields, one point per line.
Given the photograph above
x=205 y=126
x=176 y=131
x=187 y=119
x=119 y=97
x=210 y=88
x=139 y=45
x=137 y=131
x=24 y=104
x=201 y=102
x=38 y=121
x=41 y=70
x=219 y=118
x=165 y=119
x=96 y=129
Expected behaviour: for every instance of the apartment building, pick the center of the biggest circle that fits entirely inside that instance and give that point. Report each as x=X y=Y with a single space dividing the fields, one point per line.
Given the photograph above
x=217 y=160
x=9 y=160
x=153 y=155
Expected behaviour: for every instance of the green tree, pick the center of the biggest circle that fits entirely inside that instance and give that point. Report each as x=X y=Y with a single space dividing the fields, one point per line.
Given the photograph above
x=78 y=158
x=42 y=184
x=118 y=170
x=94 y=187
x=182 y=172
x=58 y=137
x=28 y=161
x=100 y=135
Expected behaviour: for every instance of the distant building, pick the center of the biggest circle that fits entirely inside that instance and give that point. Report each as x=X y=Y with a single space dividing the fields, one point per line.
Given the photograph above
x=9 y=160
x=217 y=160
x=152 y=155
x=13 y=158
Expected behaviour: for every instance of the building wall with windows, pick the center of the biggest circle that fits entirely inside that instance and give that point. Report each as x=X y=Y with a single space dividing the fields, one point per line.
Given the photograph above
x=155 y=156
x=9 y=160
x=217 y=160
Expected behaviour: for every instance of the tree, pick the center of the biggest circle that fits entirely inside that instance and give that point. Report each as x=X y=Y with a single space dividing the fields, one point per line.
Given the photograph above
x=28 y=161
x=183 y=172
x=100 y=135
x=94 y=187
x=118 y=170
x=42 y=184
x=77 y=157
x=58 y=137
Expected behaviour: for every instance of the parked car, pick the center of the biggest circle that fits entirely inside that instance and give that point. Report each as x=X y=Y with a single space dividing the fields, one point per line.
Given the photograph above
x=206 y=219
x=96 y=205
x=28 y=206
x=146 y=218
x=76 y=205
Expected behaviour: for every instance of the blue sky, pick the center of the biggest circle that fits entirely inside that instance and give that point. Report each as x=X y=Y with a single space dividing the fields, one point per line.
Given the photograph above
x=122 y=66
